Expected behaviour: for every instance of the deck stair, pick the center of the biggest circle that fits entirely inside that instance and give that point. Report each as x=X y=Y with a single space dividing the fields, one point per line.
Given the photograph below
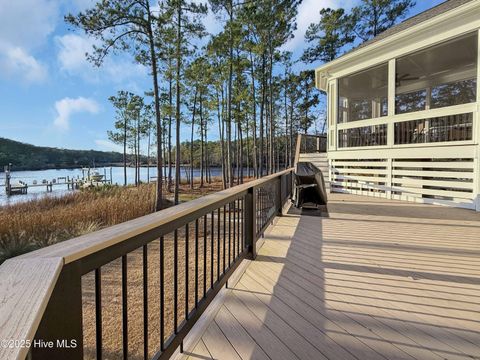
x=316 y=155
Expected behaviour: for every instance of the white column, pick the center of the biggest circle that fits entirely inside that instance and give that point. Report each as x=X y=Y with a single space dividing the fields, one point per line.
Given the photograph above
x=476 y=133
x=332 y=85
x=390 y=125
x=391 y=101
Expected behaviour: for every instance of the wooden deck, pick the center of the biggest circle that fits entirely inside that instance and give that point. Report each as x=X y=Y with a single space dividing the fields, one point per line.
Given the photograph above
x=373 y=279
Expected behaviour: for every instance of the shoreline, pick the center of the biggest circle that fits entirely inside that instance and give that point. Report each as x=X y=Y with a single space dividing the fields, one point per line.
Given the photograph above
x=36 y=223
x=102 y=165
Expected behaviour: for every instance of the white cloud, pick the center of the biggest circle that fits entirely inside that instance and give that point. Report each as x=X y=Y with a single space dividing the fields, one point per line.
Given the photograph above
x=72 y=50
x=16 y=62
x=27 y=23
x=66 y=107
x=25 y=26
x=107 y=145
x=309 y=12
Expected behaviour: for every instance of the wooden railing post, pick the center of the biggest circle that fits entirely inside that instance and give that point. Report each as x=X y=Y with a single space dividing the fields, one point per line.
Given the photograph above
x=298 y=148
x=250 y=222
x=60 y=335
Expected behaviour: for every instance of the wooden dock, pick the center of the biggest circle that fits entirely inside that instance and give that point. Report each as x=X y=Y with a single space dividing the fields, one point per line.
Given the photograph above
x=21 y=187
x=372 y=279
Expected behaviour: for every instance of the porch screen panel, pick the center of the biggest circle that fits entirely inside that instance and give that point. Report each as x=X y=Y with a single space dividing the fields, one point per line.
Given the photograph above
x=363 y=95
x=439 y=129
x=439 y=76
x=375 y=135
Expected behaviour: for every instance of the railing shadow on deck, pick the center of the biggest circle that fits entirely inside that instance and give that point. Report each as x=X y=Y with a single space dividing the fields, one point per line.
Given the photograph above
x=165 y=269
x=298 y=275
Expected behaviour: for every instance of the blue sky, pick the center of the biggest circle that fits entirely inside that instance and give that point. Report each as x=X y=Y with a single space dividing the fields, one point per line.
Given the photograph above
x=51 y=96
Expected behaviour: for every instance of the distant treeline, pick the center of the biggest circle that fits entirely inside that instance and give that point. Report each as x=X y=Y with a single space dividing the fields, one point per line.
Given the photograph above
x=29 y=157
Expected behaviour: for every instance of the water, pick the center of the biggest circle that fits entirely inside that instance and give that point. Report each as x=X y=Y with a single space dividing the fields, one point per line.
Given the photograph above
x=39 y=175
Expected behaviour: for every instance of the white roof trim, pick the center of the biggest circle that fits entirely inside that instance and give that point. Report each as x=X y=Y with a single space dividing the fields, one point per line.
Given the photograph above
x=323 y=72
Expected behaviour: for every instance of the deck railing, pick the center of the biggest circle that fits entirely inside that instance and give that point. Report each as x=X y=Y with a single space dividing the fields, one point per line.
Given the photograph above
x=53 y=299
x=310 y=144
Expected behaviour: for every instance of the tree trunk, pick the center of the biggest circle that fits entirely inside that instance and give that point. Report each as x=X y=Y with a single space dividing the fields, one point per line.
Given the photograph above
x=262 y=112
x=178 y=119
x=254 y=108
x=229 y=109
x=271 y=126
x=286 y=121
x=207 y=163
x=240 y=155
x=170 y=102
x=138 y=152
x=125 y=153
x=148 y=151
x=158 y=198
x=236 y=153
x=191 y=139
x=201 y=141
x=248 y=148
x=220 y=131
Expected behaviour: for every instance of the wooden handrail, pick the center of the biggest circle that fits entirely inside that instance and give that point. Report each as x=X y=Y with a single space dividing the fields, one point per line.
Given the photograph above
x=300 y=137
x=27 y=281
x=84 y=245
x=25 y=288
x=298 y=148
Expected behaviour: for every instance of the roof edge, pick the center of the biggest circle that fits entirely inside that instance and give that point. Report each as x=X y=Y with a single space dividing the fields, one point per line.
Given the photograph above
x=322 y=72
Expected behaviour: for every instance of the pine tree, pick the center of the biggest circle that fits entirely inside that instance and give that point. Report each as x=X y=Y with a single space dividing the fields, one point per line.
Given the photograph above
x=328 y=36
x=373 y=17
x=126 y=25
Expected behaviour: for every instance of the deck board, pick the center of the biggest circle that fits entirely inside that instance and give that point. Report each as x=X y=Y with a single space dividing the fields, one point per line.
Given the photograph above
x=376 y=279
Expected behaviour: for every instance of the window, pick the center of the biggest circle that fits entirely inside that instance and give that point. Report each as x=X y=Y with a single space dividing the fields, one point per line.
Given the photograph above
x=363 y=95
x=442 y=75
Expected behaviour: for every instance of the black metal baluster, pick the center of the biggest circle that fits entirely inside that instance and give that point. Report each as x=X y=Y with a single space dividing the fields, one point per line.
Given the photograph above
x=229 y=232
x=196 y=263
x=234 y=230
x=212 y=228
x=98 y=312
x=239 y=236
x=243 y=224
x=257 y=210
x=262 y=209
x=162 y=293
x=224 y=234
x=124 y=308
x=238 y=228
x=175 y=281
x=218 y=244
x=145 y=302
x=240 y=224
x=186 y=271
x=204 y=255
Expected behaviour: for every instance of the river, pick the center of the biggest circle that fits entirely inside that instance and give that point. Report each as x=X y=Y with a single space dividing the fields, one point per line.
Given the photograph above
x=38 y=176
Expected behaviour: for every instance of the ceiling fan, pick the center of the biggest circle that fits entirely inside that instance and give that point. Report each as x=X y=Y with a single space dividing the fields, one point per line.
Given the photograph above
x=405 y=77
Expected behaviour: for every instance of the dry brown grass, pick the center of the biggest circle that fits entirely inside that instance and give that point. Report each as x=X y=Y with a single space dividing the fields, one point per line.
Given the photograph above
x=38 y=223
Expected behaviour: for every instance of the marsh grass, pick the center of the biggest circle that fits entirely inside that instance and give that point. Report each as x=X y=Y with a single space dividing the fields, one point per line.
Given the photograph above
x=41 y=222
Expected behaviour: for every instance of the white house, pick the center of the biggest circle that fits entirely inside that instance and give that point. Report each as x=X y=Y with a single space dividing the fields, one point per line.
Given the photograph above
x=403 y=110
